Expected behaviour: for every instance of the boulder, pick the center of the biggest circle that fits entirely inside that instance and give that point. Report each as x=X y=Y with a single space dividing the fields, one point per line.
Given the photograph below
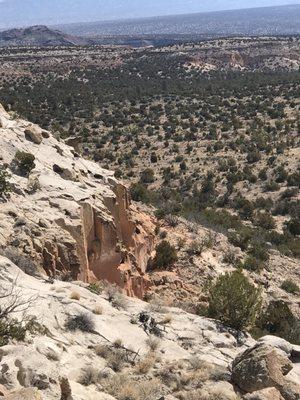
x=265 y=394
x=34 y=134
x=264 y=366
x=277 y=343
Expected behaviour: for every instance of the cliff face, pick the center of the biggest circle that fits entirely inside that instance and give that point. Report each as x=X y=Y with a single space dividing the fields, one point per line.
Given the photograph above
x=69 y=215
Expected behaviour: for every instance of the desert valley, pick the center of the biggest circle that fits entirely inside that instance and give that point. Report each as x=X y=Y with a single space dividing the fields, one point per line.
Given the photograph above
x=149 y=215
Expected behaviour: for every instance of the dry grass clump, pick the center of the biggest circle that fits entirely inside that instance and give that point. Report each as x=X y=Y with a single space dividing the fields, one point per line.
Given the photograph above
x=117 y=359
x=146 y=364
x=98 y=310
x=103 y=351
x=196 y=363
x=153 y=343
x=116 y=355
x=89 y=376
x=201 y=371
x=115 y=297
x=128 y=392
x=75 y=296
x=118 y=343
x=170 y=375
x=122 y=387
x=178 y=376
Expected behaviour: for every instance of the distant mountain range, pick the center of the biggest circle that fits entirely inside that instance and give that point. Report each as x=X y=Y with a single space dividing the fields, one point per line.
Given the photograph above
x=38 y=36
x=283 y=20
x=161 y=30
x=20 y=13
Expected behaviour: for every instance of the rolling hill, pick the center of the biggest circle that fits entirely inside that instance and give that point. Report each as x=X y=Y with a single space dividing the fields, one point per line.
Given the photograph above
x=38 y=35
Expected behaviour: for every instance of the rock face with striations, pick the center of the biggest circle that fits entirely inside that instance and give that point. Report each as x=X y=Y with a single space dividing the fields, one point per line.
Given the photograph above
x=70 y=216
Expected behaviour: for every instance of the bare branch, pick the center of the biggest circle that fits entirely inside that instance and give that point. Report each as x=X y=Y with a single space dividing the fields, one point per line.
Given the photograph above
x=12 y=301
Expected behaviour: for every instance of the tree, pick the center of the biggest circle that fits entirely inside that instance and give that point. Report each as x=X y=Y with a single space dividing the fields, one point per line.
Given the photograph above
x=166 y=255
x=235 y=301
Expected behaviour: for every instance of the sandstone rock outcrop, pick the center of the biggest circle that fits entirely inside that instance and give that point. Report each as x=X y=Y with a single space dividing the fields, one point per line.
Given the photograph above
x=262 y=367
x=73 y=218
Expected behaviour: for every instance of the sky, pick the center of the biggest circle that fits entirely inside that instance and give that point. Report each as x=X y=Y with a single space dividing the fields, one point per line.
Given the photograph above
x=30 y=12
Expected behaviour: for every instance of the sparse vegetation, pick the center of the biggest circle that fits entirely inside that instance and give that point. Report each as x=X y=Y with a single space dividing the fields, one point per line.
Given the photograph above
x=210 y=150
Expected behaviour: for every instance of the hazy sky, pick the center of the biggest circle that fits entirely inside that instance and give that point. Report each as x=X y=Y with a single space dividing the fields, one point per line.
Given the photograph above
x=29 y=12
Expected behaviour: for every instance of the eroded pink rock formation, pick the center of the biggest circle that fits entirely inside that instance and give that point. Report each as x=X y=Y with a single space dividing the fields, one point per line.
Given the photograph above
x=71 y=216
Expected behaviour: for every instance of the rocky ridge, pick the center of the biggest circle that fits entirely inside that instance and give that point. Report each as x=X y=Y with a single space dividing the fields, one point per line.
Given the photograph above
x=71 y=217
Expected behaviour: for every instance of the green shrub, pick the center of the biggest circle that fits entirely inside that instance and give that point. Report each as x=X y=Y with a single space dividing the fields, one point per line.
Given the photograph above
x=234 y=300
x=265 y=220
x=290 y=287
x=82 y=322
x=244 y=206
x=293 y=226
x=259 y=251
x=221 y=218
x=96 y=287
x=166 y=255
x=25 y=162
x=11 y=329
x=241 y=238
x=294 y=179
x=252 y=263
x=147 y=176
x=271 y=186
x=278 y=320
